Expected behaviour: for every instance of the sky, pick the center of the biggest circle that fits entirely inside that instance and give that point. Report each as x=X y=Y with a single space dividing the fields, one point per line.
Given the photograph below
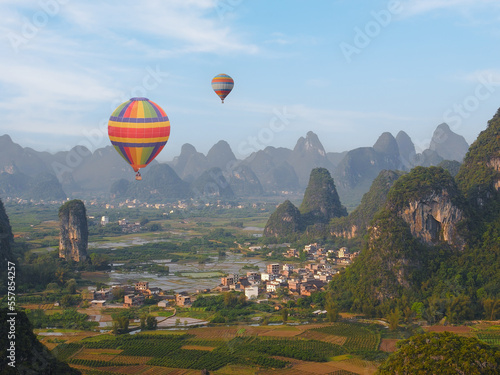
x=347 y=70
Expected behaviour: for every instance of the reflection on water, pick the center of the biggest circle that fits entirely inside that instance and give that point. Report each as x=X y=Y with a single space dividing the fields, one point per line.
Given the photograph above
x=231 y=264
x=129 y=242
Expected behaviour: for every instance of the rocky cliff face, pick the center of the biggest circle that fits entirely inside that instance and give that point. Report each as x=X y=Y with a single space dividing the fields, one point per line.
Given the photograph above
x=73 y=240
x=428 y=200
x=494 y=163
x=434 y=219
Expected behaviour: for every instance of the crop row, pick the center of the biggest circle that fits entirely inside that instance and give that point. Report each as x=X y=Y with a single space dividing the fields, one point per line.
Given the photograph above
x=193 y=359
x=97 y=363
x=358 y=336
x=344 y=329
x=150 y=348
x=489 y=338
x=307 y=350
x=134 y=341
x=64 y=351
x=370 y=342
x=205 y=342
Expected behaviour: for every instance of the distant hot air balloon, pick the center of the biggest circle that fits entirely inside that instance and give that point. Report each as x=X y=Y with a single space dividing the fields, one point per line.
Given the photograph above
x=139 y=129
x=222 y=85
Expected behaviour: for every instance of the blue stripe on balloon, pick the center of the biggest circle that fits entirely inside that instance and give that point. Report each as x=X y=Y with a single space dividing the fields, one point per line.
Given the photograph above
x=153 y=153
x=124 y=109
x=139 y=120
x=124 y=144
x=123 y=152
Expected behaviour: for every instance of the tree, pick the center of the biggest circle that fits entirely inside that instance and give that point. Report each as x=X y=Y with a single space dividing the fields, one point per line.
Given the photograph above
x=491 y=308
x=71 y=286
x=230 y=299
x=282 y=292
x=67 y=300
x=99 y=261
x=151 y=322
x=332 y=313
x=120 y=324
x=118 y=293
x=52 y=287
x=394 y=318
x=284 y=315
x=448 y=352
x=242 y=299
x=459 y=309
x=418 y=309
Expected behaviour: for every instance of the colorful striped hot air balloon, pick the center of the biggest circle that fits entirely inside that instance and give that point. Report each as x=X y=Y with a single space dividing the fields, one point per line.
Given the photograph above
x=139 y=129
x=222 y=85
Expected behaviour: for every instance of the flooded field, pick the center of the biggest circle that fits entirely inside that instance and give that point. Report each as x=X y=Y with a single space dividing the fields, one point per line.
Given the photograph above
x=190 y=276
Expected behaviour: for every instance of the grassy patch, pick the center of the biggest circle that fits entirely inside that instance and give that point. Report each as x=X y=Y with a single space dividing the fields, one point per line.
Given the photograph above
x=339 y=358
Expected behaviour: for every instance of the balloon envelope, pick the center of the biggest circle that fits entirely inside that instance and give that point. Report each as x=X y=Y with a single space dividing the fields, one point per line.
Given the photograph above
x=222 y=84
x=138 y=129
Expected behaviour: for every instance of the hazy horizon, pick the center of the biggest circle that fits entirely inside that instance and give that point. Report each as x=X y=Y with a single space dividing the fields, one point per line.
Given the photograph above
x=348 y=71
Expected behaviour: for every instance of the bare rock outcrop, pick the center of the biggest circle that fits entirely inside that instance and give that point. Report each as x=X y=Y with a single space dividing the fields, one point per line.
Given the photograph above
x=434 y=219
x=73 y=239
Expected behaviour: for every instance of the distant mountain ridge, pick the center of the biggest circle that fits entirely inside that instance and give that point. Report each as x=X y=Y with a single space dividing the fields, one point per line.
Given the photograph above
x=80 y=173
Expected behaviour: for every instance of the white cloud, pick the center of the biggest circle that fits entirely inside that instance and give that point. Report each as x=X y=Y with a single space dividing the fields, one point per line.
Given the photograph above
x=417 y=7
x=192 y=24
x=490 y=75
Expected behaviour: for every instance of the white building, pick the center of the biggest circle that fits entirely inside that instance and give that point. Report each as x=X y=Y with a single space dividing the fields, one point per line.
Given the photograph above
x=163 y=303
x=104 y=220
x=288 y=267
x=252 y=292
x=264 y=276
x=343 y=252
x=271 y=286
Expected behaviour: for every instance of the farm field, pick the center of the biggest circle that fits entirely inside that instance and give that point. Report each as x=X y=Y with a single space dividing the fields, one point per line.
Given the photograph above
x=329 y=349
x=267 y=350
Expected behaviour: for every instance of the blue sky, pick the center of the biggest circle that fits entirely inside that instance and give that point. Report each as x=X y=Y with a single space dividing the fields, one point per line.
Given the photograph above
x=347 y=70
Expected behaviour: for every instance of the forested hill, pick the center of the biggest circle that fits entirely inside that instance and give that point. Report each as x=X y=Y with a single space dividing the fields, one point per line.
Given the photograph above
x=320 y=204
x=435 y=242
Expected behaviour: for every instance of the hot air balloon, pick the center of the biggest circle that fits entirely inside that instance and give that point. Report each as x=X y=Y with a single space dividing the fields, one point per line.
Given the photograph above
x=222 y=85
x=138 y=129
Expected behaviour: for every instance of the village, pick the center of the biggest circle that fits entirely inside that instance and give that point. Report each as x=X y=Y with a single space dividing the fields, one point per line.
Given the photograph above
x=278 y=280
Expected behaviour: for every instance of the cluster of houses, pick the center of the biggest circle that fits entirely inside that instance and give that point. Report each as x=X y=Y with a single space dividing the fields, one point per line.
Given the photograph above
x=279 y=279
x=134 y=295
x=291 y=280
x=323 y=256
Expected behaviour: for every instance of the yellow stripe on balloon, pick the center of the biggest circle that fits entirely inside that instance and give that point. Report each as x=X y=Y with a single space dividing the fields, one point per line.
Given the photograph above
x=140 y=109
x=129 y=125
x=138 y=154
